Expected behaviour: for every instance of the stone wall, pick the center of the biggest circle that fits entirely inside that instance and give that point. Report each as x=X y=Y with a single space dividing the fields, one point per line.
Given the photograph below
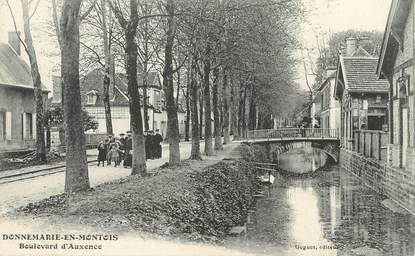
x=395 y=183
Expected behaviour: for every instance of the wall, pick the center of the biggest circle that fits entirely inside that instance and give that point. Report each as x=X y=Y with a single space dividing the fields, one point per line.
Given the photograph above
x=397 y=184
x=403 y=65
x=17 y=101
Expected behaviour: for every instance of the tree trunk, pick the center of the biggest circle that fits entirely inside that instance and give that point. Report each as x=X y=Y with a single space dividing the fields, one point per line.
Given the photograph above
x=106 y=100
x=145 y=75
x=216 y=113
x=195 y=152
x=234 y=107
x=107 y=80
x=188 y=111
x=252 y=110
x=201 y=106
x=76 y=177
x=241 y=111
x=172 y=120
x=208 y=111
x=58 y=33
x=131 y=53
x=260 y=124
x=37 y=84
x=226 y=110
x=178 y=88
x=243 y=116
x=145 y=103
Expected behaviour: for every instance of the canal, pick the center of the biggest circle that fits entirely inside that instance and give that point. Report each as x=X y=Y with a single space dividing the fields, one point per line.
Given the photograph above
x=326 y=211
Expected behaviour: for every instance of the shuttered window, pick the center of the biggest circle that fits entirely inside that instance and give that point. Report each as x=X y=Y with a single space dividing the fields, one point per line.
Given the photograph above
x=2 y=125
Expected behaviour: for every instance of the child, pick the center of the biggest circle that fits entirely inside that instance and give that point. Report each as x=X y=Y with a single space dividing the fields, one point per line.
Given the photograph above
x=114 y=154
x=102 y=153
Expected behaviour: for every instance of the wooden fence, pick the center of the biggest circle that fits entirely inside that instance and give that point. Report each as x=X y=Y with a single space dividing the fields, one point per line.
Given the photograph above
x=370 y=143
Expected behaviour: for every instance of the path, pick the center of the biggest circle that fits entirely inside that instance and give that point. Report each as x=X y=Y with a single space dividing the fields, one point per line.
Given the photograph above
x=20 y=193
x=128 y=243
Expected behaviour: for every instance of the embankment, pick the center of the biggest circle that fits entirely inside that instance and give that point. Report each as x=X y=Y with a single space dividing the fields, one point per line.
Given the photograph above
x=192 y=201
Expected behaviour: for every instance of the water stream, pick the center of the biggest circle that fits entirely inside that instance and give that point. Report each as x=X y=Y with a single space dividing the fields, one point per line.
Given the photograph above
x=328 y=213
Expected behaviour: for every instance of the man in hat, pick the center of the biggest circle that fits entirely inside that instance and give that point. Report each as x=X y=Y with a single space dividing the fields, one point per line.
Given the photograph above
x=127 y=150
x=157 y=140
x=149 y=145
x=122 y=141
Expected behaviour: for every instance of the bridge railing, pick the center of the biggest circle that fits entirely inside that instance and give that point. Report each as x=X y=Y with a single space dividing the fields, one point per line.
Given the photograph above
x=293 y=133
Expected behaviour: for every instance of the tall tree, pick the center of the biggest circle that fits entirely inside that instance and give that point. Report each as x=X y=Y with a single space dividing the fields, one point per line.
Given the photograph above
x=76 y=178
x=130 y=30
x=168 y=72
x=195 y=152
x=106 y=36
x=226 y=109
x=216 y=110
x=36 y=79
x=207 y=100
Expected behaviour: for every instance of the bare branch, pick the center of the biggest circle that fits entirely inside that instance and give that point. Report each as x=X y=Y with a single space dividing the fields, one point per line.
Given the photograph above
x=34 y=11
x=15 y=27
x=86 y=13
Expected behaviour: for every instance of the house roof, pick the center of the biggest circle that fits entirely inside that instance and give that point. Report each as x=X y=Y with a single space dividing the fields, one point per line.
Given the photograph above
x=393 y=36
x=320 y=88
x=358 y=74
x=359 y=52
x=92 y=83
x=14 y=71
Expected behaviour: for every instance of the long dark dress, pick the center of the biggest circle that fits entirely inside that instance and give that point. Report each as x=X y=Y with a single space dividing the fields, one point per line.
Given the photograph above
x=157 y=140
x=102 y=152
x=128 y=157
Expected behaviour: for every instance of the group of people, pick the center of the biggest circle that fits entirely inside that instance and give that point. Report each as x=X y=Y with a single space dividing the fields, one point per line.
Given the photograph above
x=152 y=144
x=119 y=149
x=116 y=149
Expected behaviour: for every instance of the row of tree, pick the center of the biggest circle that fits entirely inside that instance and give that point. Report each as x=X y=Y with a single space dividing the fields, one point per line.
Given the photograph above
x=230 y=59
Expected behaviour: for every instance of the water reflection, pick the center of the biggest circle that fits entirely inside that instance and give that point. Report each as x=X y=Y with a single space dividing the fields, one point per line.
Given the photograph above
x=302 y=160
x=332 y=213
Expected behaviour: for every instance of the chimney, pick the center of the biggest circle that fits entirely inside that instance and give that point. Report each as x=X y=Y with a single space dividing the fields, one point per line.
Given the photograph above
x=14 y=41
x=351 y=46
x=330 y=71
x=57 y=89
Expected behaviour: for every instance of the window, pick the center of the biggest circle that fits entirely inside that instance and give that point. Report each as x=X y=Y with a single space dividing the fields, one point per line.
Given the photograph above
x=365 y=105
x=378 y=99
x=92 y=97
x=2 y=125
x=403 y=84
x=27 y=125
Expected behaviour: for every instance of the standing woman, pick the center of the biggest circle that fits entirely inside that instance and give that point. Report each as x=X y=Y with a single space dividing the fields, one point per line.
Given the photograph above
x=102 y=153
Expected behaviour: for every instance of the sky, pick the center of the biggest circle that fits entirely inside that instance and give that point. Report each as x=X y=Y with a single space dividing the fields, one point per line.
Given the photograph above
x=330 y=16
x=45 y=44
x=324 y=16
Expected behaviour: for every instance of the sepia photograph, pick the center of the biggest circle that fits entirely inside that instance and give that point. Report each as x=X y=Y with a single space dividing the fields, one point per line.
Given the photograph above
x=207 y=127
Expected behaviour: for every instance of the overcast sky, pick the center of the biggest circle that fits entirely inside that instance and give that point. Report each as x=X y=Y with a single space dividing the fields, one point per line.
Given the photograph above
x=324 y=16
x=330 y=16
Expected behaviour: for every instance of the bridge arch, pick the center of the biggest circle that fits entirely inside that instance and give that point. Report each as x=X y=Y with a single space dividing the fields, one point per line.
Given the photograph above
x=330 y=148
x=282 y=140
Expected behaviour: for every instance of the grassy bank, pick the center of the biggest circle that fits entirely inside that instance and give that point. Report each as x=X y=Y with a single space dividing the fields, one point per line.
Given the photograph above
x=191 y=201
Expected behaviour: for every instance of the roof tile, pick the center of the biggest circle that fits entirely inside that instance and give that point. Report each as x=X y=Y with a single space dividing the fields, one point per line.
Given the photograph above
x=360 y=75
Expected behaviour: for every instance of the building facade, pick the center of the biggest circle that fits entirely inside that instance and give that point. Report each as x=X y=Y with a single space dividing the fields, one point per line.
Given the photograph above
x=326 y=108
x=17 y=102
x=397 y=65
x=92 y=101
x=363 y=96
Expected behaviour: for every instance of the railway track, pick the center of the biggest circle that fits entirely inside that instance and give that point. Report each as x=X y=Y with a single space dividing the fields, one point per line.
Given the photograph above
x=36 y=173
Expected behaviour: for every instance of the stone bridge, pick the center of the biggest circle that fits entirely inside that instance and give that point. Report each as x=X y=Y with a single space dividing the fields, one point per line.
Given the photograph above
x=277 y=141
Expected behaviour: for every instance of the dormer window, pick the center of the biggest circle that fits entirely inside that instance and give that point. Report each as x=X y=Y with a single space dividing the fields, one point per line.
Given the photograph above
x=92 y=97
